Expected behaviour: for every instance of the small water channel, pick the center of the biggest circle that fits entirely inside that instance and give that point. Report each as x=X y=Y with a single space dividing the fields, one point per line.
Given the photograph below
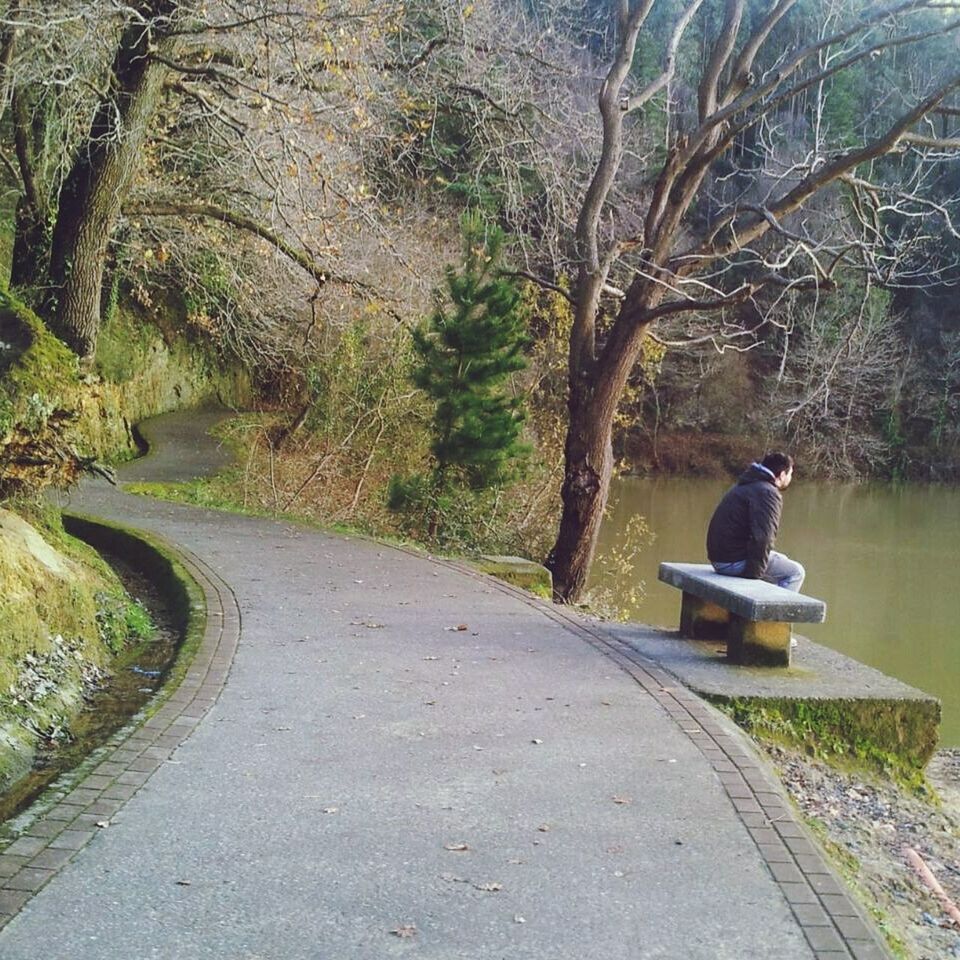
x=885 y=559
x=135 y=677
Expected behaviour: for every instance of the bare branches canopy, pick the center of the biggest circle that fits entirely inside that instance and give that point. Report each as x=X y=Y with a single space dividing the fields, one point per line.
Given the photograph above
x=729 y=205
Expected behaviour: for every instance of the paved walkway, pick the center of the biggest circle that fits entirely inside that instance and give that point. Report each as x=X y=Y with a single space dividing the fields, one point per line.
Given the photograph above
x=382 y=755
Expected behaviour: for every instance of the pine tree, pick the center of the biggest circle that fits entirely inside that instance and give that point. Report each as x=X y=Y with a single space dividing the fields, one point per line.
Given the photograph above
x=467 y=349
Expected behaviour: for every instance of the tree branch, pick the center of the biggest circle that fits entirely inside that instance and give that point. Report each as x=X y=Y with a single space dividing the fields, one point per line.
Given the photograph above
x=210 y=211
x=828 y=173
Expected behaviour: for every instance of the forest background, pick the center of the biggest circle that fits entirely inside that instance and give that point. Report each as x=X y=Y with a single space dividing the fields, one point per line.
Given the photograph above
x=279 y=187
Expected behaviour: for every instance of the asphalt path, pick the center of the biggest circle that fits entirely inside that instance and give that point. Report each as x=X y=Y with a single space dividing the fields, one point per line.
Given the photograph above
x=406 y=760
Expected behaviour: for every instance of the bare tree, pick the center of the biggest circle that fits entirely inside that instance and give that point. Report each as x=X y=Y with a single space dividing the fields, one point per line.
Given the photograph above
x=839 y=390
x=679 y=260
x=245 y=115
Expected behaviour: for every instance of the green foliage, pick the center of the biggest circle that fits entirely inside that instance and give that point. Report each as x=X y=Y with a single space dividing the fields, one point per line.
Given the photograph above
x=891 y=429
x=54 y=585
x=120 y=621
x=616 y=591
x=466 y=352
x=209 y=294
x=459 y=520
x=39 y=385
x=123 y=347
x=365 y=372
x=31 y=361
x=844 y=106
x=894 y=738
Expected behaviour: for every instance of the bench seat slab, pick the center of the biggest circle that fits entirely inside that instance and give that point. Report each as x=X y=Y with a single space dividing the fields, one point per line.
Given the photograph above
x=750 y=599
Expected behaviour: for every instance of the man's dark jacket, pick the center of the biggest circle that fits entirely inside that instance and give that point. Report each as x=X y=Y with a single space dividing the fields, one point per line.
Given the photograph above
x=744 y=525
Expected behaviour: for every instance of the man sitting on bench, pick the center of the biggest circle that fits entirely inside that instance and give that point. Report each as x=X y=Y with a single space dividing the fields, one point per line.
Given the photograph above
x=744 y=526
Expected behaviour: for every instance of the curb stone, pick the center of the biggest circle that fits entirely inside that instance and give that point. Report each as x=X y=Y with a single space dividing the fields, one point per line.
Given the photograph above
x=129 y=758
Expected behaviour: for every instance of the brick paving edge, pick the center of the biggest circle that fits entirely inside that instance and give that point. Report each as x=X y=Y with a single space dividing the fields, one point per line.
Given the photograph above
x=831 y=920
x=130 y=758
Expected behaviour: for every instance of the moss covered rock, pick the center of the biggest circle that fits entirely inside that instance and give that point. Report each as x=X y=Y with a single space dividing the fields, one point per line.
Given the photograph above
x=520 y=572
x=63 y=616
x=57 y=421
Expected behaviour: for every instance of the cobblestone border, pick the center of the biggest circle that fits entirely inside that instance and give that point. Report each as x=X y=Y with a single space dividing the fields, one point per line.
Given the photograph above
x=834 y=925
x=130 y=758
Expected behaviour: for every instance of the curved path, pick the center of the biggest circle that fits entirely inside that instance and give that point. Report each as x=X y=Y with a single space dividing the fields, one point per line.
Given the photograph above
x=384 y=755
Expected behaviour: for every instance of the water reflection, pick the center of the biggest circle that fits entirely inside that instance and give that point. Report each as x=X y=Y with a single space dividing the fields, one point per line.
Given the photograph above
x=885 y=559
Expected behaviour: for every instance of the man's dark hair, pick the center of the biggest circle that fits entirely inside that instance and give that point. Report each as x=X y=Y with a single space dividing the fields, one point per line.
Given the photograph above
x=776 y=463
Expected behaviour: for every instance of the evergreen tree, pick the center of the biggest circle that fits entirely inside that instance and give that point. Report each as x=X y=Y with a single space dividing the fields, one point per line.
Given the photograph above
x=467 y=349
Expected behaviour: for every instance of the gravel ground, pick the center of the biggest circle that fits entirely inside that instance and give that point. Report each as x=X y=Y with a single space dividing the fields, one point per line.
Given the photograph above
x=872 y=824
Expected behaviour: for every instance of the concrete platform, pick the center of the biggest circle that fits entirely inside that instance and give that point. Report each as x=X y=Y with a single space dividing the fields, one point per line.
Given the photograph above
x=863 y=707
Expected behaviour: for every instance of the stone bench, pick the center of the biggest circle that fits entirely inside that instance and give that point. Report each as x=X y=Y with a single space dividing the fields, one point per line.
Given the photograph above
x=752 y=616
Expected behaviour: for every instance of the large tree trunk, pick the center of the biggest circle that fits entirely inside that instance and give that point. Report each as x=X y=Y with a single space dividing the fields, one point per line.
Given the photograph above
x=595 y=391
x=93 y=193
x=586 y=485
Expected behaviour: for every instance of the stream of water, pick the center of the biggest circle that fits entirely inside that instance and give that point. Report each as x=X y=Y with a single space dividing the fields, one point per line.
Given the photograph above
x=884 y=558
x=135 y=677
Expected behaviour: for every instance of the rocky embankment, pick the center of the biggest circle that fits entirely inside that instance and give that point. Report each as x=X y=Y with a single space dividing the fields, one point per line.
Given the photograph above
x=64 y=616
x=881 y=836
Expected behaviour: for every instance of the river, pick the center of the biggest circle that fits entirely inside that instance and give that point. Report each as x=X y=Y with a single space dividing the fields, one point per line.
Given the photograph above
x=884 y=558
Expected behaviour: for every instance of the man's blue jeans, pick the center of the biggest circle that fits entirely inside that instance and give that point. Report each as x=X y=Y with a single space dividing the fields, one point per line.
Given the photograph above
x=781 y=570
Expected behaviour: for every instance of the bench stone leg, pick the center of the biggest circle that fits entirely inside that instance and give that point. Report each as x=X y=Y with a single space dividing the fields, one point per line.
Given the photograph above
x=702 y=620
x=763 y=643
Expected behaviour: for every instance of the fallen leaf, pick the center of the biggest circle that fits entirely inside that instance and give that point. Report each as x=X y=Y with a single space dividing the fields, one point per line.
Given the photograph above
x=456 y=847
x=405 y=932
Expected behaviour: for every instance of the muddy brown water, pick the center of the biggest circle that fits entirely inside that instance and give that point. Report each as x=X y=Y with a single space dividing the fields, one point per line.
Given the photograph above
x=886 y=560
